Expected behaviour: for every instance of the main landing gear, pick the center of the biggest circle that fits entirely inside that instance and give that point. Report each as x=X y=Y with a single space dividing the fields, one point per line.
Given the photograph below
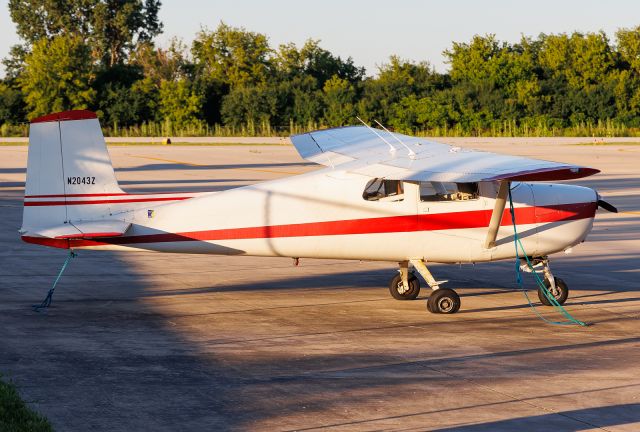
x=556 y=286
x=398 y=290
x=406 y=286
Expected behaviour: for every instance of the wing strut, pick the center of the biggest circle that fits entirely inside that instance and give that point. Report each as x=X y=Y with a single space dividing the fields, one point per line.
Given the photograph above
x=496 y=216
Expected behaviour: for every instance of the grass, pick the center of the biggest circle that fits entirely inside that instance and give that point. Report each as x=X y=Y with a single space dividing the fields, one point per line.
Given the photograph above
x=15 y=416
x=499 y=128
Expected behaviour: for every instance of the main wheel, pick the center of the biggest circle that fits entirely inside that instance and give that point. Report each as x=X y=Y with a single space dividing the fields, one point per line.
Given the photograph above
x=443 y=300
x=396 y=288
x=560 y=293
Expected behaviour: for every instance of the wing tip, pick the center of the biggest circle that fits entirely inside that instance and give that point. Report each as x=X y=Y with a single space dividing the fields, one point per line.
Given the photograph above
x=549 y=174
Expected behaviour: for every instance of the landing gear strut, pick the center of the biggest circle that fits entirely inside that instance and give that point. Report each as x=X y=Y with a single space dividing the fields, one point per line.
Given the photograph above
x=405 y=285
x=560 y=292
x=556 y=286
x=441 y=300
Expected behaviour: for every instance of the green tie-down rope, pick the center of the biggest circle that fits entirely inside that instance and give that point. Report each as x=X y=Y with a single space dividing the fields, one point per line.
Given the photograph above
x=47 y=301
x=545 y=291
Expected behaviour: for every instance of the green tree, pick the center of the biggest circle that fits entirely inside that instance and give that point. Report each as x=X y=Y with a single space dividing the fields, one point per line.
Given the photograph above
x=628 y=44
x=120 y=25
x=113 y=28
x=339 y=97
x=413 y=114
x=160 y=64
x=232 y=55
x=57 y=76
x=396 y=80
x=124 y=96
x=576 y=77
x=179 y=103
x=323 y=66
x=11 y=103
x=304 y=101
x=500 y=79
x=582 y=60
x=250 y=105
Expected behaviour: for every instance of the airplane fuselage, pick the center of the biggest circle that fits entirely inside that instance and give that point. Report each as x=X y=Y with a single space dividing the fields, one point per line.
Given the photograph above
x=323 y=214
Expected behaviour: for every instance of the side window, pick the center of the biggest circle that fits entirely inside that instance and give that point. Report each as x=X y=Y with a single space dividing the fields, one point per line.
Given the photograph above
x=441 y=191
x=383 y=190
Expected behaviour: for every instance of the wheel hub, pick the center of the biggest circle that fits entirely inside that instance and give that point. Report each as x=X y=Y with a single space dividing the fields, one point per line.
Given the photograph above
x=445 y=304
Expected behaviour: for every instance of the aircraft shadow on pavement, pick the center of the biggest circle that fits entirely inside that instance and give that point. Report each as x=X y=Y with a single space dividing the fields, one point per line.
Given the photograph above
x=122 y=365
x=562 y=421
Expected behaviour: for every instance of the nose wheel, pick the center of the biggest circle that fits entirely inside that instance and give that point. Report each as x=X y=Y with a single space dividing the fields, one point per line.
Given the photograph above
x=554 y=285
x=559 y=290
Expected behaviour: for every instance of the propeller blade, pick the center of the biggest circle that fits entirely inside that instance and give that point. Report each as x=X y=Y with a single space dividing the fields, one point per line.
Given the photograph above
x=606 y=206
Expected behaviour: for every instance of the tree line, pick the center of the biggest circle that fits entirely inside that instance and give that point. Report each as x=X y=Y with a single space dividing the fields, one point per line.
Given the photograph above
x=100 y=55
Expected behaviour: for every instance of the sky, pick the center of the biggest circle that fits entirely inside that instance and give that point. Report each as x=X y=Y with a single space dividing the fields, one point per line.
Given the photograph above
x=370 y=31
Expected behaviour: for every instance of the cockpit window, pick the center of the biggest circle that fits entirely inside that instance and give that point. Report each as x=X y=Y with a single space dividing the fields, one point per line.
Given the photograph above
x=383 y=190
x=443 y=191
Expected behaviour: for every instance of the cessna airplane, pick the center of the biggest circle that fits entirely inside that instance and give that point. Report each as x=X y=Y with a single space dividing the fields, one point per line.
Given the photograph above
x=382 y=196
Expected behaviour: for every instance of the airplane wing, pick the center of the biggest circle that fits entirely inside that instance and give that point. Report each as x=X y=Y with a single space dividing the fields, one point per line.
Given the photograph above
x=382 y=154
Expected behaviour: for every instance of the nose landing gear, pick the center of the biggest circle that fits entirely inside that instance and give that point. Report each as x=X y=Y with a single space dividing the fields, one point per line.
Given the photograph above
x=554 y=285
x=559 y=291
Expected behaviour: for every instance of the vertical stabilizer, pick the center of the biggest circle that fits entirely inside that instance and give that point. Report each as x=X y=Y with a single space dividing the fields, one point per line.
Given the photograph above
x=68 y=158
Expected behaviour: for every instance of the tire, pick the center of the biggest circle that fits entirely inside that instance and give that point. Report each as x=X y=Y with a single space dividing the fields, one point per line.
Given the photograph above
x=561 y=295
x=395 y=288
x=443 y=300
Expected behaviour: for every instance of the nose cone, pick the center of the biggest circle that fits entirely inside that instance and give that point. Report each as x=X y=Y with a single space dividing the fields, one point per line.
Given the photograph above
x=564 y=215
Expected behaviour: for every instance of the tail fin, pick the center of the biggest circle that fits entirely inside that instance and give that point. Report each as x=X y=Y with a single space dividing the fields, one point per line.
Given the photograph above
x=68 y=159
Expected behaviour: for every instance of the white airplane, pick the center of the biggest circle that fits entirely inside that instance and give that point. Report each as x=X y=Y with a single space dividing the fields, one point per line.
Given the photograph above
x=382 y=196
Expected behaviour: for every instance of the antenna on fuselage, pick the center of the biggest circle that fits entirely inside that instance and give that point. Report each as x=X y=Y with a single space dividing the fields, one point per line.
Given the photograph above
x=392 y=149
x=412 y=154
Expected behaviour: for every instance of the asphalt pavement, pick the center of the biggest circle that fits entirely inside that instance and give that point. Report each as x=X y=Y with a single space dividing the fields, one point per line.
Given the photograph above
x=146 y=341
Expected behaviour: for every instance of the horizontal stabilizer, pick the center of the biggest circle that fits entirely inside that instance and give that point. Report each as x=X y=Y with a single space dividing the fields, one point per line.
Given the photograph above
x=84 y=230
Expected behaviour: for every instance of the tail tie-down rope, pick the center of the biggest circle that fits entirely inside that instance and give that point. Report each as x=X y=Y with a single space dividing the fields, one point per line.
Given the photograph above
x=49 y=298
x=518 y=244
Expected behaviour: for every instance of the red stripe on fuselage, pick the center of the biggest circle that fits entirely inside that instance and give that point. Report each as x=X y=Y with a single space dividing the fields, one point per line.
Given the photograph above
x=108 y=201
x=89 y=235
x=105 y=195
x=409 y=223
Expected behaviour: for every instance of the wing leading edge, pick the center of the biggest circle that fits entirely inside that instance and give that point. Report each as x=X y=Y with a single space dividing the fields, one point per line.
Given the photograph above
x=358 y=150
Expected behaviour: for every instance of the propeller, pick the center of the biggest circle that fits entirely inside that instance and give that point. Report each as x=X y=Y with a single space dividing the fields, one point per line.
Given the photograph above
x=606 y=206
